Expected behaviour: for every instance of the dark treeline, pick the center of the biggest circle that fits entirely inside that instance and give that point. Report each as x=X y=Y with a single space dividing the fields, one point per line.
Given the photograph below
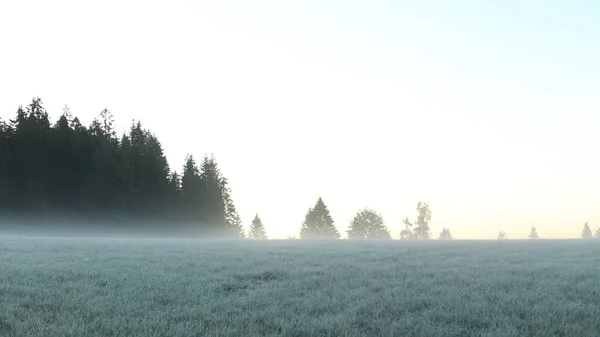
x=69 y=173
x=79 y=177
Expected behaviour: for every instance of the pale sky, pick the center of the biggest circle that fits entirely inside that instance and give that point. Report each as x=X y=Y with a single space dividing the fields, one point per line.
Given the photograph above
x=487 y=110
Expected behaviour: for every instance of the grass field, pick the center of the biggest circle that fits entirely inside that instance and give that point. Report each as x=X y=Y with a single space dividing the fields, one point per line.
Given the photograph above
x=123 y=287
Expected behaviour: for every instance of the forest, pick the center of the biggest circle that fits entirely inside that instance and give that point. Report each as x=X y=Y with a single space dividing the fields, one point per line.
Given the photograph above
x=69 y=173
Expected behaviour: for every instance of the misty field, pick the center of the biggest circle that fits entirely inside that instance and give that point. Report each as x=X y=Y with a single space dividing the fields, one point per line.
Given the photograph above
x=124 y=287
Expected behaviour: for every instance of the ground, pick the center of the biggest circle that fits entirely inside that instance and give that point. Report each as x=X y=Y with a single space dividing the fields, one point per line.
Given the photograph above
x=126 y=287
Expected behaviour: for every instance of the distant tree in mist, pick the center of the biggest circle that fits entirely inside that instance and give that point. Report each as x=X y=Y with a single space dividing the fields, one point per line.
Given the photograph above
x=318 y=223
x=419 y=229
x=597 y=234
x=533 y=233
x=587 y=232
x=368 y=224
x=501 y=235
x=406 y=233
x=445 y=234
x=257 y=229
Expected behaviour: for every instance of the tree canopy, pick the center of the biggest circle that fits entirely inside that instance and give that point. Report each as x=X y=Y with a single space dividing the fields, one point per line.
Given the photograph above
x=257 y=229
x=368 y=224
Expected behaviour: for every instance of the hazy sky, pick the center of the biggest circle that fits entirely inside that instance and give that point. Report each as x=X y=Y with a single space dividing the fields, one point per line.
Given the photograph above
x=488 y=111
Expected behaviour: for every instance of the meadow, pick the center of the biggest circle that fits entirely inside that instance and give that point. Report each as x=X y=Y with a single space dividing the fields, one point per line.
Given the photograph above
x=150 y=287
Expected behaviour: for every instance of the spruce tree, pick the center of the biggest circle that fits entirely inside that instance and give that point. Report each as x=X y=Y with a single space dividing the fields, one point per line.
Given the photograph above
x=233 y=223
x=318 y=223
x=597 y=234
x=587 y=232
x=445 y=234
x=175 y=182
x=62 y=186
x=157 y=173
x=257 y=229
x=192 y=191
x=533 y=233
x=214 y=209
x=29 y=158
x=145 y=181
x=501 y=235
x=368 y=224
x=4 y=167
x=174 y=203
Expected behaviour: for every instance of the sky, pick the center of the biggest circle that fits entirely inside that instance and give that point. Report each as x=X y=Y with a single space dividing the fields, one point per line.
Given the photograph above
x=487 y=111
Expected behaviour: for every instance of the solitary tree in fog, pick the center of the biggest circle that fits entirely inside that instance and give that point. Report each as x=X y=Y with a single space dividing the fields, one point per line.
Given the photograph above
x=257 y=229
x=368 y=224
x=597 y=234
x=587 y=232
x=406 y=233
x=420 y=228
x=533 y=233
x=501 y=235
x=318 y=223
x=445 y=234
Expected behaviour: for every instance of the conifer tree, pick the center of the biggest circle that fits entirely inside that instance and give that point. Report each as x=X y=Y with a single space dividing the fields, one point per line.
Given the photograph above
x=4 y=166
x=30 y=157
x=175 y=182
x=318 y=223
x=597 y=234
x=501 y=235
x=62 y=166
x=233 y=223
x=445 y=234
x=587 y=232
x=192 y=191
x=214 y=208
x=257 y=229
x=368 y=224
x=533 y=233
